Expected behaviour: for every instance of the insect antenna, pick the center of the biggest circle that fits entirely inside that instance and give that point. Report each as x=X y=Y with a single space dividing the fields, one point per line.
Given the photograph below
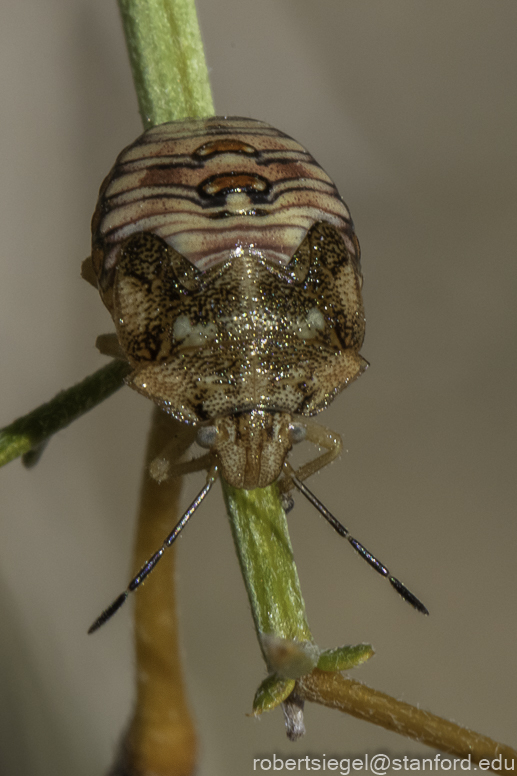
x=151 y=563
x=363 y=552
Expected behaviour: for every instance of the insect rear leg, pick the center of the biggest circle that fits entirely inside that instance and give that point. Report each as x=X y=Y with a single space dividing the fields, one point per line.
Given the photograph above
x=109 y=345
x=88 y=272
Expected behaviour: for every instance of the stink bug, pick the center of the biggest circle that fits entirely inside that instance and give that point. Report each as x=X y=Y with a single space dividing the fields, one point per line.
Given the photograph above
x=230 y=266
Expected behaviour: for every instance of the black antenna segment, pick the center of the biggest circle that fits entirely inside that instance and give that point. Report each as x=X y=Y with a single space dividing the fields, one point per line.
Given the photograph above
x=401 y=589
x=151 y=563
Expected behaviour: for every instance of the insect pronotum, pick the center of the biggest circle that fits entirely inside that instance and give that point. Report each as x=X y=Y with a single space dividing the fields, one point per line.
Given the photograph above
x=230 y=266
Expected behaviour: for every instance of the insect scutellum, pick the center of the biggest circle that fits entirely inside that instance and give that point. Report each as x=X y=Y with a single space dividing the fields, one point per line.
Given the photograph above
x=231 y=269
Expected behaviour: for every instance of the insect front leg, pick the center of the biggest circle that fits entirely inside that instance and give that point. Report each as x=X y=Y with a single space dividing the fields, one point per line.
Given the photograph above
x=163 y=467
x=318 y=435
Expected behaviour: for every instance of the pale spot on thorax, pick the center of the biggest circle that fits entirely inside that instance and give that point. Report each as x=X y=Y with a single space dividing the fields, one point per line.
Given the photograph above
x=309 y=326
x=193 y=336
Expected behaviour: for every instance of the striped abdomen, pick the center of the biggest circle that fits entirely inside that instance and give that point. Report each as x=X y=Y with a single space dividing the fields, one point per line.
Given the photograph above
x=213 y=188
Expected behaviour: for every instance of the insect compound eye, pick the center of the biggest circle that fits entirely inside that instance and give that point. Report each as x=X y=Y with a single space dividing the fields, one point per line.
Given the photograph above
x=297 y=432
x=206 y=436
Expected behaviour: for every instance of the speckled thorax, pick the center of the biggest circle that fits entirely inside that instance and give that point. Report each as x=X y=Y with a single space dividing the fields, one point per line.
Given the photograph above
x=251 y=335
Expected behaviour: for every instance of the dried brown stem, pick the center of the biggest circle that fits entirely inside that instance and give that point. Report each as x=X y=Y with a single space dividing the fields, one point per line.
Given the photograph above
x=337 y=692
x=161 y=738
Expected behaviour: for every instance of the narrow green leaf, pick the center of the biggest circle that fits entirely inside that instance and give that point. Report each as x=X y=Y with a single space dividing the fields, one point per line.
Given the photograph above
x=271 y=693
x=343 y=658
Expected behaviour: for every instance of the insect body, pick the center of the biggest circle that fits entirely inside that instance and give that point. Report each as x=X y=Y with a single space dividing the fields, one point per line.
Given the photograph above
x=230 y=266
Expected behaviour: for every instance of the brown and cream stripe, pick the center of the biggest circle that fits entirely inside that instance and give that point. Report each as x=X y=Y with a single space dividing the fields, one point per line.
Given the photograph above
x=213 y=188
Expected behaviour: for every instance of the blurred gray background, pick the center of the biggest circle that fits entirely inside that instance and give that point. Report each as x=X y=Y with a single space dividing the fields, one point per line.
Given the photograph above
x=411 y=108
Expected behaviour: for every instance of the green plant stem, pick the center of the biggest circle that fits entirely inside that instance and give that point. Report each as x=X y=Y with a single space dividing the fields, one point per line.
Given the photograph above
x=261 y=536
x=171 y=82
x=26 y=433
x=167 y=60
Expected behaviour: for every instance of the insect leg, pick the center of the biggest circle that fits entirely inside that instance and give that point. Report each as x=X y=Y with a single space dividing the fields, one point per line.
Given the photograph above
x=161 y=468
x=323 y=437
x=109 y=345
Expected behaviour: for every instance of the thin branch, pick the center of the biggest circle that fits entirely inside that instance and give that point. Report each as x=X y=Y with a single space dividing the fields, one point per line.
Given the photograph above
x=161 y=738
x=167 y=59
x=337 y=692
x=34 y=429
x=261 y=536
